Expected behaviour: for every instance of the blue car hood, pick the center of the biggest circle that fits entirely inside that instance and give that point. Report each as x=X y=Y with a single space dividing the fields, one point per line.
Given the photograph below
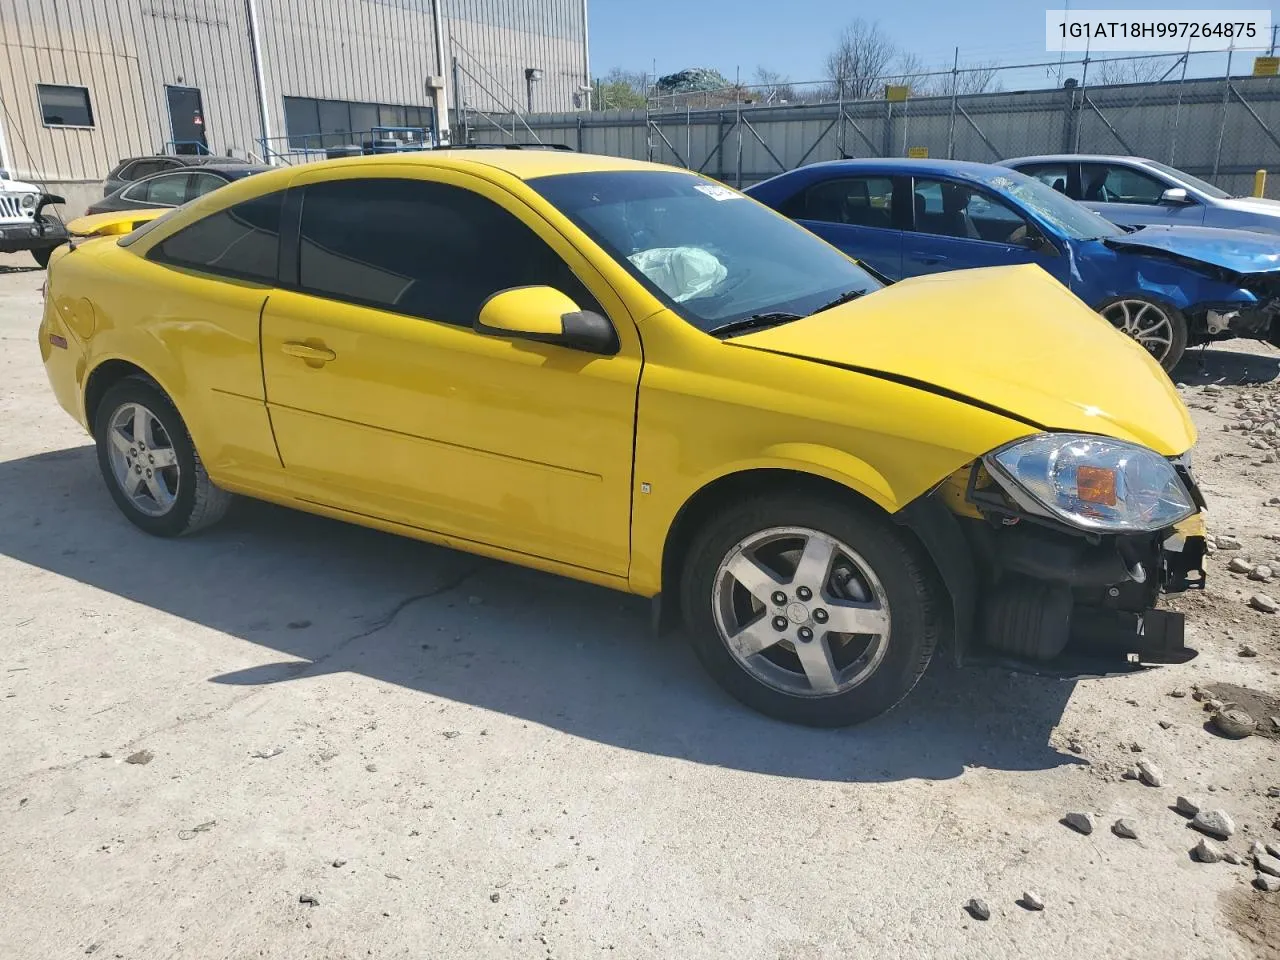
x=1236 y=250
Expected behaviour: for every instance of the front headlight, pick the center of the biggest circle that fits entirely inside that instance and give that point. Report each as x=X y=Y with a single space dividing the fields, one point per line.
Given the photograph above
x=1094 y=483
x=28 y=201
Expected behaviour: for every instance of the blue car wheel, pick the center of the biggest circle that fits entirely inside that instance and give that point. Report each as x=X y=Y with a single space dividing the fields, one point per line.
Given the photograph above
x=1159 y=327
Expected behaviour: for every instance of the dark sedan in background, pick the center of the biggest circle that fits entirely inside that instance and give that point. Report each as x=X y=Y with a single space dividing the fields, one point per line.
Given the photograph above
x=132 y=169
x=174 y=188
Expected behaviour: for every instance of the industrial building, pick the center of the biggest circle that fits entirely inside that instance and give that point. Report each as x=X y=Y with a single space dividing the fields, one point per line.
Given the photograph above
x=84 y=83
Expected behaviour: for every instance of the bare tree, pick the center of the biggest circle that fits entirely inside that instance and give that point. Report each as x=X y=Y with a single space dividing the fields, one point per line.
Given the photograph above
x=857 y=65
x=924 y=81
x=907 y=69
x=979 y=77
x=1147 y=70
x=773 y=87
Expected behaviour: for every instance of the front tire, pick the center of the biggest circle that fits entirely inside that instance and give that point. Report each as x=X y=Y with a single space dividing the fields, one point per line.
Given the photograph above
x=150 y=465
x=814 y=611
x=1158 y=327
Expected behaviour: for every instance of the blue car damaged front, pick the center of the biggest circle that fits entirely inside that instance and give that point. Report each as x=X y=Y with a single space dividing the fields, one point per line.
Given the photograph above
x=1168 y=287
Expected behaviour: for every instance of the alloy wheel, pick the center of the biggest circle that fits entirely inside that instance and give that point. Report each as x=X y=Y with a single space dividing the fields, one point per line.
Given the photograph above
x=1146 y=322
x=801 y=611
x=143 y=460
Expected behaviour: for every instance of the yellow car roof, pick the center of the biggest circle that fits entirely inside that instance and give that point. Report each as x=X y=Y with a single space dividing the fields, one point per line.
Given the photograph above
x=525 y=164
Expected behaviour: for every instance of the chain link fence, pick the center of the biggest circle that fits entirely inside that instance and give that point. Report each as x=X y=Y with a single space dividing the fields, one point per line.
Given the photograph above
x=1222 y=129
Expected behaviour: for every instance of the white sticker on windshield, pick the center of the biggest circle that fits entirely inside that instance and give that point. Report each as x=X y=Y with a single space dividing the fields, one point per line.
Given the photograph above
x=717 y=192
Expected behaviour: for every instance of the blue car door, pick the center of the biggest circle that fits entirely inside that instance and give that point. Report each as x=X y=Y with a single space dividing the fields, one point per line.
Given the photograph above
x=1132 y=197
x=957 y=226
x=855 y=214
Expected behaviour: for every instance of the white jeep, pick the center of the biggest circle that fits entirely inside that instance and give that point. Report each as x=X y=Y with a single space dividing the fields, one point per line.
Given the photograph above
x=23 y=225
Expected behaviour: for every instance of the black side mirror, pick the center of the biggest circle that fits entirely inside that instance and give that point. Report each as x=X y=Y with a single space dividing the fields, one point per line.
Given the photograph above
x=587 y=330
x=1037 y=242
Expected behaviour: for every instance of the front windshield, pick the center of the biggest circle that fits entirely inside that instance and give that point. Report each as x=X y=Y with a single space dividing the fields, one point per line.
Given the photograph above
x=1195 y=182
x=1074 y=221
x=713 y=255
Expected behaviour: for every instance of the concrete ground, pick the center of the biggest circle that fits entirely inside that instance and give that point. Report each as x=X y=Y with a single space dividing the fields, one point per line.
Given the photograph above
x=458 y=758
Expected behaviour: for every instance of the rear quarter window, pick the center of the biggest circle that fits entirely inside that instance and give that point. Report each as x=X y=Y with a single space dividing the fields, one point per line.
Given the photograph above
x=241 y=242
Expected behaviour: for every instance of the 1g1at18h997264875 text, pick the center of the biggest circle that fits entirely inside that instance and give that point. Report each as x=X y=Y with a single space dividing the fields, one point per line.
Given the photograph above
x=1139 y=30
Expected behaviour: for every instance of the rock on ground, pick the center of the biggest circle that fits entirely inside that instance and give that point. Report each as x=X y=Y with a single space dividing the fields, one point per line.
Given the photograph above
x=1188 y=806
x=1080 y=822
x=1031 y=901
x=1125 y=828
x=1150 y=774
x=1206 y=851
x=1267 y=883
x=1260 y=601
x=978 y=909
x=1267 y=864
x=1216 y=823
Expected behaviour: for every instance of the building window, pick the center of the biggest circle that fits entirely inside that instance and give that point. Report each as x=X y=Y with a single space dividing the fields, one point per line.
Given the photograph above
x=64 y=106
x=317 y=124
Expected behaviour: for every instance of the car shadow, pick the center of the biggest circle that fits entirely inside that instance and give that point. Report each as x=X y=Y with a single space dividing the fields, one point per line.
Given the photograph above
x=333 y=598
x=1202 y=366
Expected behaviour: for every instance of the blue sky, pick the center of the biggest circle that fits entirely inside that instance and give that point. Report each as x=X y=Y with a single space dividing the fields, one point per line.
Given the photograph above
x=793 y=36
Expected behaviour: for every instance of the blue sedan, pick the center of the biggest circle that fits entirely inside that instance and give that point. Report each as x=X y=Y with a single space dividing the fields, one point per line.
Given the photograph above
x=1167 y=287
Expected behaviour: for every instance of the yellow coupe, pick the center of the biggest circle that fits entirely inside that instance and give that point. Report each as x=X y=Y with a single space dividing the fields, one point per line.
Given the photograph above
x=638 y=377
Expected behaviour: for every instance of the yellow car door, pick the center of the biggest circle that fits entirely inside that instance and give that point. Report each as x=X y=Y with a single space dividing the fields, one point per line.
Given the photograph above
x=386 y=402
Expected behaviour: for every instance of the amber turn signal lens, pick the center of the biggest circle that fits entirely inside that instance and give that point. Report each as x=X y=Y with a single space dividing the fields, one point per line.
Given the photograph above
x=1096 y=485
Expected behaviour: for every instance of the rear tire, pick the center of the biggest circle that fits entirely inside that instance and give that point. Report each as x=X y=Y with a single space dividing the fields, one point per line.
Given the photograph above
x=776 y=646
x=150 y=465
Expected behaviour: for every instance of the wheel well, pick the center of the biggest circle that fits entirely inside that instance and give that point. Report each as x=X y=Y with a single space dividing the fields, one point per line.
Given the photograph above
x=703 y=504
x=102 y=379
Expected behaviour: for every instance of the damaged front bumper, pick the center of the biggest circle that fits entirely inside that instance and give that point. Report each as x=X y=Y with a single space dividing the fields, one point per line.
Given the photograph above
x=1261 y=322
x=1034 y=596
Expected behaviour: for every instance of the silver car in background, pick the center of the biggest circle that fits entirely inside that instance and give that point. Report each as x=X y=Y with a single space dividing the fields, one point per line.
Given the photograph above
x=1134 y=192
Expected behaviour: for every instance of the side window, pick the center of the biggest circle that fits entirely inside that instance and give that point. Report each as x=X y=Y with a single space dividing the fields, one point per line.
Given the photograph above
x=145 y=168
x=1112 y=183
x=202 y=183
x=167 y=191
x=1050 y=174
x=959 y=210
x=242 y=241
x=858 y=201
x=424 y=249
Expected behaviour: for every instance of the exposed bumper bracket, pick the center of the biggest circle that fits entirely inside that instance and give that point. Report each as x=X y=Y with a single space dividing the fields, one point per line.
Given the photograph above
x=1156 y=636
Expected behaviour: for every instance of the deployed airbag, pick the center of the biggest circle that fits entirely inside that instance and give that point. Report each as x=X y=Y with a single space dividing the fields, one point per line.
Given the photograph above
x=682 y=273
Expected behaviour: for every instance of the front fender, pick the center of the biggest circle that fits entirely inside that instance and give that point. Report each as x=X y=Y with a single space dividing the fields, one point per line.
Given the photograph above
x=1107 y=273
x=831 y=464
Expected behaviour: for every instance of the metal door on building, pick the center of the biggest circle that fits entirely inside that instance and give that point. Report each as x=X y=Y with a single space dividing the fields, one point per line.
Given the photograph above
x=186 y=120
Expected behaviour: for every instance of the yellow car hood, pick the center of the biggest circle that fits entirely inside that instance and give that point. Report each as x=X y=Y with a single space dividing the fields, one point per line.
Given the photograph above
x=1011 y=339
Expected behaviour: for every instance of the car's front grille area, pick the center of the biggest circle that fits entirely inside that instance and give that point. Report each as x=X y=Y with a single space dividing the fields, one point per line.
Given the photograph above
x=11 y=207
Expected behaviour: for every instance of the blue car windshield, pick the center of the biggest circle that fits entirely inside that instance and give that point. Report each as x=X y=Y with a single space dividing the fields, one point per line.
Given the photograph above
x=713 y=256
x=1069 y=218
